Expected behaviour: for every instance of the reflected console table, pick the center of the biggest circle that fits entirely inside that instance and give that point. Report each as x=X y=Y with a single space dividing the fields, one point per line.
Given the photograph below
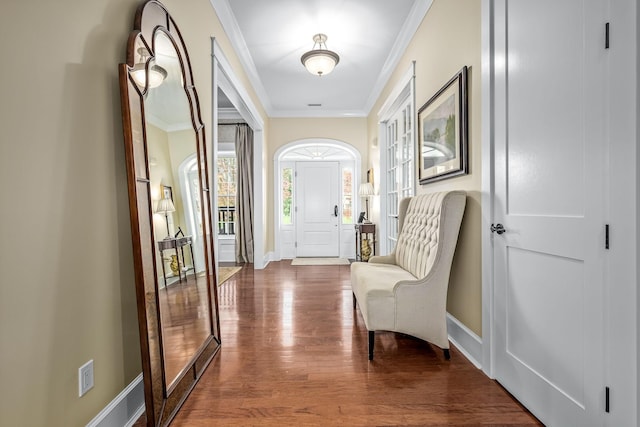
x=177 y=243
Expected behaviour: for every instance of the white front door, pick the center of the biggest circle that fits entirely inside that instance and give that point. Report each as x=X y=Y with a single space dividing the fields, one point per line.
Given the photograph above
x=550 y=156
x=317 y=203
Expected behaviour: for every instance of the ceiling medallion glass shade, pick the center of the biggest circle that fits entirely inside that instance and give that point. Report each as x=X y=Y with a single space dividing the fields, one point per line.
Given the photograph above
x=157 y=74
x=319 y=60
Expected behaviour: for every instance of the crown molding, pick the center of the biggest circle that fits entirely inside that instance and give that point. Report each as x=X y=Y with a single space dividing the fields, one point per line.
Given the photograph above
x=414 y=19
x=317 y=114
x=161 y=124
x=231 y=28
x=228 y=114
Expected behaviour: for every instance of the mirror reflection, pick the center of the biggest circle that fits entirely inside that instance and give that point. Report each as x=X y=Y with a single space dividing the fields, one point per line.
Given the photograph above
x=177 y=219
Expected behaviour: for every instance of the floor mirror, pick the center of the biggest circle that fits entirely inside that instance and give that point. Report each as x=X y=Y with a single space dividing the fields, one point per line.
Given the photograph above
x=169 y=199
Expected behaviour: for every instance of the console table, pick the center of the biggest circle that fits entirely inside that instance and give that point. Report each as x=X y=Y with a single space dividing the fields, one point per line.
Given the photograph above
x=171 y=243
x=368 y=230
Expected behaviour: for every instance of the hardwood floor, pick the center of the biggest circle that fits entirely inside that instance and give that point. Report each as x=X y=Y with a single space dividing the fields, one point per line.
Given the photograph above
x=184 y=316
x=294 y=352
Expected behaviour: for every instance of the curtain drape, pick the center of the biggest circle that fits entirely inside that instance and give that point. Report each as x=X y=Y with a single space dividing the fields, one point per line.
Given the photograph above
x=244 y=194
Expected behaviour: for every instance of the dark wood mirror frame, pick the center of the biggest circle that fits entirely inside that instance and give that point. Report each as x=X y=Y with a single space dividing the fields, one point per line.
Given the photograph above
x=163 y=396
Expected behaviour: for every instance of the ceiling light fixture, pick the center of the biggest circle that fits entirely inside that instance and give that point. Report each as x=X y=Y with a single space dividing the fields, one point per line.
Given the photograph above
x=319 y=60
x=157 y=74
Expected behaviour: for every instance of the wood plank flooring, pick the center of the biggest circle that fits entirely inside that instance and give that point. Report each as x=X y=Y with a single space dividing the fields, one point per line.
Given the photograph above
x=294 y=353
x=184 y=316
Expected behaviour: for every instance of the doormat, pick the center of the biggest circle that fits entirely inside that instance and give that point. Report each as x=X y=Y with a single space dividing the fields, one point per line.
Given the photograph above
x=224 y=273
x=320 y=261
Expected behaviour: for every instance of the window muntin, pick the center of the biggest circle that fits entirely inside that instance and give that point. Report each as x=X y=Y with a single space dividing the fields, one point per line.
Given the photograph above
x=400 y=166
x=227 y=188
x=347 y=195
x=286 y=210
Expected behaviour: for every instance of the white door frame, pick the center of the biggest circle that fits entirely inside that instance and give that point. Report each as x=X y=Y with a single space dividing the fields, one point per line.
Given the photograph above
x=278 y=158
x=225 y=78
x=185 y=188
x=621 y=301
x=403 y=91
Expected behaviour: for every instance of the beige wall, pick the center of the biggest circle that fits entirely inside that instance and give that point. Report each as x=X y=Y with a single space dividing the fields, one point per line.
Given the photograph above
x=169 y=150
x=353 y=131
x=448 y=39
x=67 y=289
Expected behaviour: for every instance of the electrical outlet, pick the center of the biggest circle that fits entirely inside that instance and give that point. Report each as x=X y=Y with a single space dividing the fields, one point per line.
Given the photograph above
x=85 y=378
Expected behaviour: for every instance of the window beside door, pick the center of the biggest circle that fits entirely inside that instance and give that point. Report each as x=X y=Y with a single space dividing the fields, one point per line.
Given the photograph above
x=347 y=195
x=287 y=196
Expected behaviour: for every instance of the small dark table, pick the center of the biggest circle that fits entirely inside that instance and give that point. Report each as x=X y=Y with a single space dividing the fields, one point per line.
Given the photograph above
x=175 y=244
x=367 y=229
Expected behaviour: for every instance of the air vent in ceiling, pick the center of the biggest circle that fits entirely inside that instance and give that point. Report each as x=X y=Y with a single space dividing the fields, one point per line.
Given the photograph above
x=314 y=105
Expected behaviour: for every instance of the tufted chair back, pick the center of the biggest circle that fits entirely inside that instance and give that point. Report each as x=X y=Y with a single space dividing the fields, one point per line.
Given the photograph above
x=422 y=220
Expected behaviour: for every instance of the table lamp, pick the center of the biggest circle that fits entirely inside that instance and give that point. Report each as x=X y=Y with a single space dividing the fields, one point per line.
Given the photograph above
x=164 y=207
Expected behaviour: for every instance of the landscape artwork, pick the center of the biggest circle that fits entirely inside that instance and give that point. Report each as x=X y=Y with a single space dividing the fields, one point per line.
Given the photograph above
x=442 y=132
x=439 y=130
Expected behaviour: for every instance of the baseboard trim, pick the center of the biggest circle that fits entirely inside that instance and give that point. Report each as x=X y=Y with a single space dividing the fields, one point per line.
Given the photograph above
x=268 y=257
x=125 y=409
x=465 y=340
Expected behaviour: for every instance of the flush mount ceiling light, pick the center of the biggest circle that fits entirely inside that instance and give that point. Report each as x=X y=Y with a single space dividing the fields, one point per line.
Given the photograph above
x=319 y=60
x=157 y=74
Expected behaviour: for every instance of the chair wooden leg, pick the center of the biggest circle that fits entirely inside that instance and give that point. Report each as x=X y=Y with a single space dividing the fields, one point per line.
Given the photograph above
x=447 y=355
x=354 y=300
x=372 y=339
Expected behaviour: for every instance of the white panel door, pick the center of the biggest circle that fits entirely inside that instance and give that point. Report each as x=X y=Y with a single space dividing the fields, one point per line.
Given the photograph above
x=550 y=152
x=318 y=216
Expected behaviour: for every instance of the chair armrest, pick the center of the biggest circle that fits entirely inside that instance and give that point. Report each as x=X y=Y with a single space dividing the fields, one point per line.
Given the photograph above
x=423 y=304
x=384 y=259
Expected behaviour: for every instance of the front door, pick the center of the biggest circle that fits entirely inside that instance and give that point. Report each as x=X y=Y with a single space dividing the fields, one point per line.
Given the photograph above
x=550 y=152
x=317 y=203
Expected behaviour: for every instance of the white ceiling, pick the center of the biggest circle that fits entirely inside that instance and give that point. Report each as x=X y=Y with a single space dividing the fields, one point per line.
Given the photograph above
x=271 y=36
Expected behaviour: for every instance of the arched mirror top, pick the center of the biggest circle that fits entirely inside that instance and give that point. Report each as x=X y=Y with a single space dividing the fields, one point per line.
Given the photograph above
x=170 y=212
x=155 y=40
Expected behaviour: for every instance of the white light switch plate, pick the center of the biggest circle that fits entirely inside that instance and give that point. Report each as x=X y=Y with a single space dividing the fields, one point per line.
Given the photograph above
x=85 y=378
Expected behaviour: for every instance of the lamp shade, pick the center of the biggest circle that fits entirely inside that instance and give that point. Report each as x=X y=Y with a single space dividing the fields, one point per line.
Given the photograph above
x=165 y=206
x=366 y=189
x=157 y=74
x=319 y=60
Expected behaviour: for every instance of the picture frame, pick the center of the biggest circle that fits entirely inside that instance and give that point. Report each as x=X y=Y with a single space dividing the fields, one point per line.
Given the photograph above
x=361 y=217
x=443 y=132
x=167 y=192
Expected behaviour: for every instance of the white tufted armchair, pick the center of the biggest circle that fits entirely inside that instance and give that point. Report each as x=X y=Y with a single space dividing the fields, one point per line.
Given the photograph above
x=406 y=291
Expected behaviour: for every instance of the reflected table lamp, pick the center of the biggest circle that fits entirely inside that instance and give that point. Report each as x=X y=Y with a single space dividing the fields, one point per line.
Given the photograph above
x=164 y=207
x=366 y=190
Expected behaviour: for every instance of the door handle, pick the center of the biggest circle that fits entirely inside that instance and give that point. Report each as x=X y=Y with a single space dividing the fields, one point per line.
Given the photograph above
x=498 y=228
x=335 y=210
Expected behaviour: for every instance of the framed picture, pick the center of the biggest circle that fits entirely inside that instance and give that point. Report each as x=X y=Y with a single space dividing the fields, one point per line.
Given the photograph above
x=167 y=192
x=442 y=132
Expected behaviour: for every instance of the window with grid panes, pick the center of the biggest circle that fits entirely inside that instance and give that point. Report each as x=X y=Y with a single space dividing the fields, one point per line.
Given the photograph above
x=400 y=165
x=227 y=178
x=347 y=195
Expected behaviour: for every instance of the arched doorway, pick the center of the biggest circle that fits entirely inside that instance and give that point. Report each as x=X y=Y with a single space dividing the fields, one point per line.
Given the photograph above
x=315 y=198
x=190 y=188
